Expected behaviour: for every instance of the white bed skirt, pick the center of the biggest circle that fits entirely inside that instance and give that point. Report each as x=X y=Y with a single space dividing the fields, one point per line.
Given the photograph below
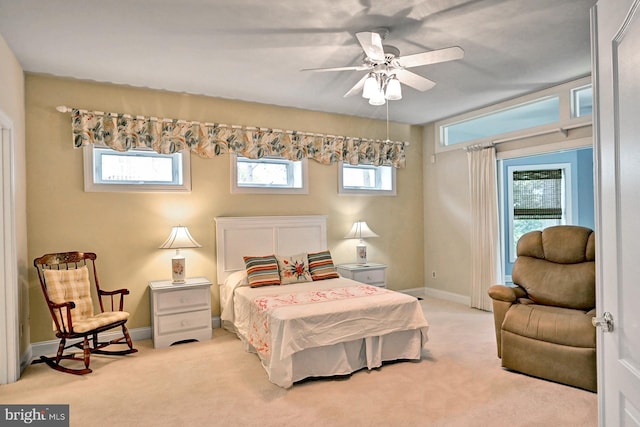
x=341 y=358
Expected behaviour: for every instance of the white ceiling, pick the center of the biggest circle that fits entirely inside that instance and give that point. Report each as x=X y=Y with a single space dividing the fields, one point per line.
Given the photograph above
x=253 y=50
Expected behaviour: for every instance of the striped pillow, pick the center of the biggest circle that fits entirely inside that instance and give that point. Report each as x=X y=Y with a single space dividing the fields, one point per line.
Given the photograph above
x=262 y=270
x=321 y=266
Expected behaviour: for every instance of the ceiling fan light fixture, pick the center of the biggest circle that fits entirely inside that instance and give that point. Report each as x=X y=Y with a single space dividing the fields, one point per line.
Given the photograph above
x=370 y=86
x=393 y=90
x=377 y=98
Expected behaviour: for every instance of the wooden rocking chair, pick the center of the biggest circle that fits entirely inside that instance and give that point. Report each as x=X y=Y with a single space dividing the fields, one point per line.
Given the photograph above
x=65 y=279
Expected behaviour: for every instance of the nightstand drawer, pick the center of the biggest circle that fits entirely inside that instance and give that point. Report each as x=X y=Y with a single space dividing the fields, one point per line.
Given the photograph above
x=373 y=276
x=182 y=300
x=184 y=322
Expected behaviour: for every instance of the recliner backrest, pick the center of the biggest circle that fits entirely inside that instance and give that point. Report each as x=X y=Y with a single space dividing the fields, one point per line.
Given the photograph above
x=556 y=266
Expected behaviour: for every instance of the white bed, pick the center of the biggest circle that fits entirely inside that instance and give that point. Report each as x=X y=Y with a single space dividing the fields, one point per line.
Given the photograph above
x=310 y=329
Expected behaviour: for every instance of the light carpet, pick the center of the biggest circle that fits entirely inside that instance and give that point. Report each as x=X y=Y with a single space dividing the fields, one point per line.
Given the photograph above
x=458 y=382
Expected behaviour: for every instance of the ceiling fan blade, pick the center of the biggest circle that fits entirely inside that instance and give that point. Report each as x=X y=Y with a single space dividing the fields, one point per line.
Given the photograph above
x=372 y=45
x=352 y=68
x=357 y=87
x=431 y=57
x=413 y=80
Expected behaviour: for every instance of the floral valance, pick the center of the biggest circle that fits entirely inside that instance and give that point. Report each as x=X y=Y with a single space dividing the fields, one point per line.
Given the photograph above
x=123 y=132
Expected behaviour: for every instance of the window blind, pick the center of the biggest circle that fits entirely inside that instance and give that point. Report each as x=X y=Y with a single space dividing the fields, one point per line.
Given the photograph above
x=537 y=194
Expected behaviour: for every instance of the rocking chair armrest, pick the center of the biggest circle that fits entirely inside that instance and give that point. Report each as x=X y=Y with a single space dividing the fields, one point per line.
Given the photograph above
x=69 y=304
x=63 y=320
x=119 y=304
x=117 y=291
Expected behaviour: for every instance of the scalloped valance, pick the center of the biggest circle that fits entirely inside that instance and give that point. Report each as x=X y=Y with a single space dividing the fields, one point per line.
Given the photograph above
x=123 y=132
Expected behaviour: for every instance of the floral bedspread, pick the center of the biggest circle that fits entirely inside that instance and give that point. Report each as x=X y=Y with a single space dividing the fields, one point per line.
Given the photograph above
x=263 y=308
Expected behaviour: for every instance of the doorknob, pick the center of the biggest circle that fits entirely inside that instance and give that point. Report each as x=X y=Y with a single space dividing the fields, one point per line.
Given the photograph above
x=606 y=322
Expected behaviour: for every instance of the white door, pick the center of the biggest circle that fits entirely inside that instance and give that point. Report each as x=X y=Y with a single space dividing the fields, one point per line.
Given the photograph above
x=616 y=31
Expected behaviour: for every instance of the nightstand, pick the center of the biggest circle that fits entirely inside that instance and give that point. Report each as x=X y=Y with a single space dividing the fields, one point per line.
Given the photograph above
x=370 y=273
x=180 y=312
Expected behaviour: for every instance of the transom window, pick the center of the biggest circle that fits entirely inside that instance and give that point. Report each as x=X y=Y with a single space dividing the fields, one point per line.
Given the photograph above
x=366 y=179
x=536 y=113
x=268 y=175
x=582 y=101
x=135 y=170
x=561 y=109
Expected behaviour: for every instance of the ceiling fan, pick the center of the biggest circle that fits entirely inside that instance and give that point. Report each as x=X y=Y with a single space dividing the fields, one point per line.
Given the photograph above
x=387 y=69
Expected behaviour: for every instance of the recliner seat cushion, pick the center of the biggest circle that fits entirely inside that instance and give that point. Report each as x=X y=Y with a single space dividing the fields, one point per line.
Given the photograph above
x=551 y=324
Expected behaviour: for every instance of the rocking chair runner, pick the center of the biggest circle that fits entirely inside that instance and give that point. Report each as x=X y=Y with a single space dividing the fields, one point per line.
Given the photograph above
x=66 y=284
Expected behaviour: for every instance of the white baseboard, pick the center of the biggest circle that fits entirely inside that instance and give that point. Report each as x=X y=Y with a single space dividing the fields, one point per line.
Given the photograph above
x=414 y=292
x=436 y=293
x=37 y=349
x=447 y=296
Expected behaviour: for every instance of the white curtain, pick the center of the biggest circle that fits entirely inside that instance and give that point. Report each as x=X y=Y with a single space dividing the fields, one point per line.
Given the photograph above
x=485 y=234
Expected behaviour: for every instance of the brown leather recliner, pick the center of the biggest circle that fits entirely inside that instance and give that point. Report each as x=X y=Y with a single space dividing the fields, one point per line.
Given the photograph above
x=543 y=323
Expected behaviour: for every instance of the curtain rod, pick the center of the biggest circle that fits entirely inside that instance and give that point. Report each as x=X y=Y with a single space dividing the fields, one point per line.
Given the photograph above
x=65 y=109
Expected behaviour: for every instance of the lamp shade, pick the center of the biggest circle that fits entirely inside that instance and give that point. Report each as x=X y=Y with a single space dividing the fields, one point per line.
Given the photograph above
x=360 y=230
x=393 y=91
x=370 y=86
x=180 y=239
x=377 y=98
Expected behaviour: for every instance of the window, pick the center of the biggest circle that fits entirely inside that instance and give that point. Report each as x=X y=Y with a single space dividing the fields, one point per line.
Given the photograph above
x=136 y=170
x=582 y=101
x=556 y=110
x=269 y=175
x=523 y=116
x=538 y=198
x=366 y=179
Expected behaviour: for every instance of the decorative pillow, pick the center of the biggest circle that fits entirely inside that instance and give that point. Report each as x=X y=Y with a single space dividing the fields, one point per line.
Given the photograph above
x=262 y=270
x=293 y=269
x=70 y=285
x=321 y=266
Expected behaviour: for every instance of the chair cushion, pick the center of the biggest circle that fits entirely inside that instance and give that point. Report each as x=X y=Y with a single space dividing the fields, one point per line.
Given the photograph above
x=99 y=320
x=563 y=285
x=70 y=285
x=551 y=324
x=556 y=266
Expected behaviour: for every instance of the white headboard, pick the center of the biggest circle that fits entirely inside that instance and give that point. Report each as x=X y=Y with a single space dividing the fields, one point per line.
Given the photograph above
x=265 y=235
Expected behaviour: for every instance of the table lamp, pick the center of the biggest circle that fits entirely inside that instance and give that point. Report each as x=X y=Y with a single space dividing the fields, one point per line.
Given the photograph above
x=360 y=230
x=179 y=239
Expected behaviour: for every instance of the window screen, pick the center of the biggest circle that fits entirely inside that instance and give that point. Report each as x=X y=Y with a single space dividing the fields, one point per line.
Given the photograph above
x=537 y=194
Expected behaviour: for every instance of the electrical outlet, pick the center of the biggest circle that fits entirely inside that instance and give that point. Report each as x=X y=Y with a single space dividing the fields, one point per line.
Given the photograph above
x=433 y=274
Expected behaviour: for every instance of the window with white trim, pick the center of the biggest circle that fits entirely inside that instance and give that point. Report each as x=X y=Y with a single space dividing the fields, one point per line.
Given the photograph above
x=582 y=101
x=268 y=175
x=558 y=109
x=366 y=179
x=136 y=170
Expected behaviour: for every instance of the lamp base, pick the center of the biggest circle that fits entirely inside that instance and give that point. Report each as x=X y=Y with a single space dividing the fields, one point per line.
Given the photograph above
x=361 y=253
x=178 y=269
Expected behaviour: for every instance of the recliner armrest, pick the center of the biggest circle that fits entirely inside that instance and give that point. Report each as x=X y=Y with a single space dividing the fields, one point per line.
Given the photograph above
x=506 y=293
x=503 y=297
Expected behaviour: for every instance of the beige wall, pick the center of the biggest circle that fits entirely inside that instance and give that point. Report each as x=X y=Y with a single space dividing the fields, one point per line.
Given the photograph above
x=12 y=105
x=125 y=229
